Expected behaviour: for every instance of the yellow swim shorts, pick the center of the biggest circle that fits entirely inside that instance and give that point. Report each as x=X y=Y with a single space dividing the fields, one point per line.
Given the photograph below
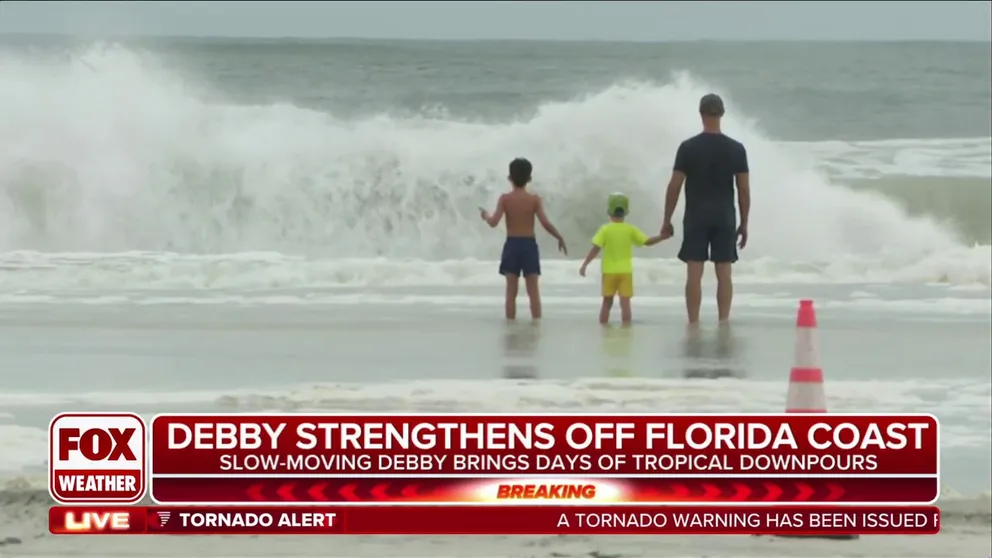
x=618 y=284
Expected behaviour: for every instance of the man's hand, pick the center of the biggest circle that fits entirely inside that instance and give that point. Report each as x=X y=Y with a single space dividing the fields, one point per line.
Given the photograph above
x=742 y=234
x=484 y=214
x=561 y=246
x=667 y=231
x=582 y=270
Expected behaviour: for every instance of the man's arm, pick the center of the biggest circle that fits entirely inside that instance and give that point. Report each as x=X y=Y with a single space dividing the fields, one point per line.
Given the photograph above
x=744 y=196
x=494 y=219
x=743 y=179
x=675 y=183
x=672 y=194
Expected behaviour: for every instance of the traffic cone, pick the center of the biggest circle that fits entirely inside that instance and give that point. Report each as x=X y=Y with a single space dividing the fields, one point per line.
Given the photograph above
x=806 y=394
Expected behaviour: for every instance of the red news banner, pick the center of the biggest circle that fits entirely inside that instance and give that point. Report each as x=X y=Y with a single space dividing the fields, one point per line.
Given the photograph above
x=494 y=520
x=544 y=459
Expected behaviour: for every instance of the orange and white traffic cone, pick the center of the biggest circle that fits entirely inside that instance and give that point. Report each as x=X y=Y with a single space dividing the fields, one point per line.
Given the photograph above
x=806 y=394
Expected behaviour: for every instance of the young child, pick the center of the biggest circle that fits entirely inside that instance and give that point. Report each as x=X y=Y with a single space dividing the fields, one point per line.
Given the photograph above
x=520 y=254
x=616 y=240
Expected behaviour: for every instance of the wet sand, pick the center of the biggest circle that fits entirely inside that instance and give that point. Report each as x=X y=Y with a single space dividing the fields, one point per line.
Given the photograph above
x=429 y=357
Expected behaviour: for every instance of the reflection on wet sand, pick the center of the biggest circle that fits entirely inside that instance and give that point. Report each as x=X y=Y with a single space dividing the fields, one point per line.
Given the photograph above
x=618 y=343
x=520 y=341
x=713 y=355
x=626 y=351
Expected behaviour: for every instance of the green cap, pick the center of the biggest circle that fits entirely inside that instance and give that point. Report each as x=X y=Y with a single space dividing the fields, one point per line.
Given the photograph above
x=618 y=201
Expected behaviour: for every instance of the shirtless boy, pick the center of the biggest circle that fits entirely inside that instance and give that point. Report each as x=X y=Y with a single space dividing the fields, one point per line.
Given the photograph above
x=520 y=254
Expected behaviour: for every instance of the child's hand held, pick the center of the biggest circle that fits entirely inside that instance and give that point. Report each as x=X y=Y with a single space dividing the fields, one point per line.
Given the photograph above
x=667 y=231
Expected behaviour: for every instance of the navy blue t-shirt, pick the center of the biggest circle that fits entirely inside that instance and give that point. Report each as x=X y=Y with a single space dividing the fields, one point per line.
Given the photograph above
x=710 y=163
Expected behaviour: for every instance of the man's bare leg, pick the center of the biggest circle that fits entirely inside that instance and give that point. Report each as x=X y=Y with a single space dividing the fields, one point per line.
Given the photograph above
x=534 y=294
x=724 y=290
x=512 y=287
x=604 y=310
x=693 y=290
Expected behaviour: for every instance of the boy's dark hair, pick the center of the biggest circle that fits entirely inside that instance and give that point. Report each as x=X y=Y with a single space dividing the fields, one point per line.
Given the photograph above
x=619 y=212
x=520 y=171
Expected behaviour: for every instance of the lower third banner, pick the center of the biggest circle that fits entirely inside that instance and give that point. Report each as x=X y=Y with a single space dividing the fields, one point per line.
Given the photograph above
x=494 y=520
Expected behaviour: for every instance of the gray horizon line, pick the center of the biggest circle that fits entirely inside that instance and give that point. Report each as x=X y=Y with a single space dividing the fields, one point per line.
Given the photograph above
x=28 y=34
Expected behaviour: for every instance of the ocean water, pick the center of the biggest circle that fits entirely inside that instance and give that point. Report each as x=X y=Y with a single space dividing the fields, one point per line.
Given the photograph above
x=860 y=153
x=292 y=225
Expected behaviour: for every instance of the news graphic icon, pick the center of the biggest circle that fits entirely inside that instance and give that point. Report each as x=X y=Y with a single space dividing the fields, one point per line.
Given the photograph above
x=163 y=518
x=89 y=520
x=97 y=458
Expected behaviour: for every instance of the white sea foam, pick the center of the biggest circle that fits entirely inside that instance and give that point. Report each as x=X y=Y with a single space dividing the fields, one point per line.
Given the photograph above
x=25 y=272
x=951 y=157
x=108 y=151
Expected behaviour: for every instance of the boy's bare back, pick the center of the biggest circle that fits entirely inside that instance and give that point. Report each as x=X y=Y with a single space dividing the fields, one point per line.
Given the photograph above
x=522 y=210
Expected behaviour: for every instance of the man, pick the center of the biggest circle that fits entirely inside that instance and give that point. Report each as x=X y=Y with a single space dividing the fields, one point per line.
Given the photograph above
x=709 y=164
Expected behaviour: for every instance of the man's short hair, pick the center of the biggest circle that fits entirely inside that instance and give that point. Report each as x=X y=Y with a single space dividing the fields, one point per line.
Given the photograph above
x=711 y=105
x=520 y=171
